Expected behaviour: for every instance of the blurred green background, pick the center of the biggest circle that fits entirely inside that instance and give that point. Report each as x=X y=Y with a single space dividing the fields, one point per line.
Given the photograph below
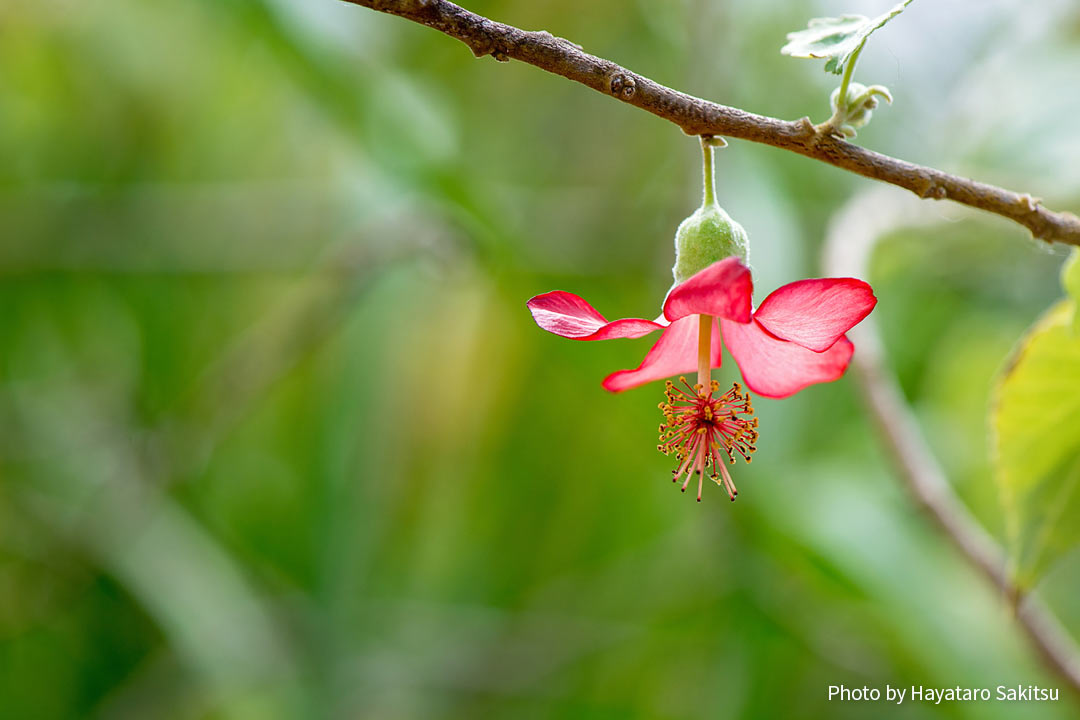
x=279 y=439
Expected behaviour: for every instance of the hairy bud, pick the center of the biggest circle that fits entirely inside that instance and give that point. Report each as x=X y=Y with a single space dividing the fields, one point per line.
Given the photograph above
x=855 y=116
x=857 y=109
x=707 y=236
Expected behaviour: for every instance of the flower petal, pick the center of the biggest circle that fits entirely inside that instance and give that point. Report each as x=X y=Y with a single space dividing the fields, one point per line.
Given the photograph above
x=814 y=313
x=776 y=368
x=675 y=353
x=568 y=315
x=723 y=289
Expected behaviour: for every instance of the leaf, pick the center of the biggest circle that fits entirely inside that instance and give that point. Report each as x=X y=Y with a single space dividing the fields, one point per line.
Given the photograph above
x=1070 y=280
x=837 y=38
x=1035 y=423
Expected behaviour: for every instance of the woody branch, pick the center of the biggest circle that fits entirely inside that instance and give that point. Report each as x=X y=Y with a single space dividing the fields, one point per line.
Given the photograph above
x=696 y=116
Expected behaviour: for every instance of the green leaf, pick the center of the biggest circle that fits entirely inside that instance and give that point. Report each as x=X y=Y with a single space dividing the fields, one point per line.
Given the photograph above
x=1070 y=280
x=837 y=38
x=1035 y=423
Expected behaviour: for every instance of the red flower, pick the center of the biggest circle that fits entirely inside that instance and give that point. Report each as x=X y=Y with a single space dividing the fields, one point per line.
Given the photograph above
x=795 y=338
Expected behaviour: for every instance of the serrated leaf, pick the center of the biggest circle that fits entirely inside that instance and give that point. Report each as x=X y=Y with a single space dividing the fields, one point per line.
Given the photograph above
x=1035 y=422
x=837 y=38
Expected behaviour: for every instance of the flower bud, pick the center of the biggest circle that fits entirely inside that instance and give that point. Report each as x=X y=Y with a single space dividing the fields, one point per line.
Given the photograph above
x=707 y=236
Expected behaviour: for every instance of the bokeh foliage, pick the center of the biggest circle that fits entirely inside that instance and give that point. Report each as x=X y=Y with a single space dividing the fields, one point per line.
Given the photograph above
x=1035 y=420
x=280 y=440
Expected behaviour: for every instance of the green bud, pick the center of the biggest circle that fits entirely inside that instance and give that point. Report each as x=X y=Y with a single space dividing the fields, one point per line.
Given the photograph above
x=707 y=236
x=857 y=109
x=855 y=116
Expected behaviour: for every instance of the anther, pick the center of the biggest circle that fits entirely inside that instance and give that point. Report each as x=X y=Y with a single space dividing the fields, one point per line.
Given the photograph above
x=702 y=430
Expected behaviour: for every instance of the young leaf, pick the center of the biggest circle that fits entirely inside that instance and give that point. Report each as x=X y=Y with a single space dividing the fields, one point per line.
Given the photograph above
x=1035 y=423
x=836 y=38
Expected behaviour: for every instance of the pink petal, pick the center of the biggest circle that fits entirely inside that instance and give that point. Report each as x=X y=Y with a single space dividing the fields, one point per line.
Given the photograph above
x=776 y=368
x=675 y=353
x=723 y=289
x=814 y=313
x=571 y=317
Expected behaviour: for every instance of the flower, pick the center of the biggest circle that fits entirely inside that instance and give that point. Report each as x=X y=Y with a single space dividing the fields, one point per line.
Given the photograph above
x=794 y=339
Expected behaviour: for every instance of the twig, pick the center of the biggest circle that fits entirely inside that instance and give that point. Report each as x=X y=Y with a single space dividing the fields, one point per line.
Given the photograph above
x=851 y=240
x=701 y=117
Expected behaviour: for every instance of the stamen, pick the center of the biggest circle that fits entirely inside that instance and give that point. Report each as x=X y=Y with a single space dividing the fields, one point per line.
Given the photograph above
x=702 y=431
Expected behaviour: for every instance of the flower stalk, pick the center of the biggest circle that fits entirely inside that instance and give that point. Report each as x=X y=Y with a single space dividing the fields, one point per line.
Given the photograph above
x=707 y=170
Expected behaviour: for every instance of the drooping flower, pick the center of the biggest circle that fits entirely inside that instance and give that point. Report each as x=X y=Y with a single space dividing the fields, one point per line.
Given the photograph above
x=794 y=339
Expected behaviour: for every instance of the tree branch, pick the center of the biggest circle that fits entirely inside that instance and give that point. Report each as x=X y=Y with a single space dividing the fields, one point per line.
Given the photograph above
x=701 y=117
x=850 y=243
